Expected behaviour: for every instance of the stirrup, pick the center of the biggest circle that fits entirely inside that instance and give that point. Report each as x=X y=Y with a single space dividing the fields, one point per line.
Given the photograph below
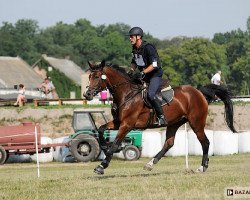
x=162 y=121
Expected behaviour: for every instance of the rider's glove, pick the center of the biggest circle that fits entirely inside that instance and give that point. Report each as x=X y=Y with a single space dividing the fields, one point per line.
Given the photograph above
x=142 y=74
x=139 y=75
x=130 y=73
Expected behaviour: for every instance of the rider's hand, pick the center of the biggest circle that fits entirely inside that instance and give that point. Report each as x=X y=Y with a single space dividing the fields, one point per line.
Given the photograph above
x=139 y=75
x=130 y=73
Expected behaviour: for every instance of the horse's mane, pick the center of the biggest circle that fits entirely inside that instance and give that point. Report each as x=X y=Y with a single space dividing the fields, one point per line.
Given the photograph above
x=119 y=69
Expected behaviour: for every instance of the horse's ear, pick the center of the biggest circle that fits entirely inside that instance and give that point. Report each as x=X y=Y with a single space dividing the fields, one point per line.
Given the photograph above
x=102 y=63
x=90 y=65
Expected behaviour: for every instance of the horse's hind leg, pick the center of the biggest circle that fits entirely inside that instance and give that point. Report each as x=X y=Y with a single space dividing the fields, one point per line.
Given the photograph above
x=169 y=142
x=205 y=147
x=200 y=133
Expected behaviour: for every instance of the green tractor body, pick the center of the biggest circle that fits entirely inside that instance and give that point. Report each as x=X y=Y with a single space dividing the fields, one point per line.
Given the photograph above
x=84 y=144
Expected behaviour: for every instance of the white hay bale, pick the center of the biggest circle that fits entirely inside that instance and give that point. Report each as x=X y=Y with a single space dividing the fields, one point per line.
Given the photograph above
x=62 y=153
x=95 y=101
x=151 y=143
x=44 y=157
x=194 y=145
x=244 y=142
x=225 y=143
x=179 y=144
x=24 y=158
x=46 y=140
x=119 y=155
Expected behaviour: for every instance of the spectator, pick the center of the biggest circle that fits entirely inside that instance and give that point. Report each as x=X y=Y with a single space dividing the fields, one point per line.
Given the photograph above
x=216 y=79
x=48 y=89
x=21 y=96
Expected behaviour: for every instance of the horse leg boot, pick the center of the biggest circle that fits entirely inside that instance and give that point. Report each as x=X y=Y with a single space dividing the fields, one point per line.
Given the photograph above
x=102 y=141
x=105 y=163
x=109 y=154
x=159 y=112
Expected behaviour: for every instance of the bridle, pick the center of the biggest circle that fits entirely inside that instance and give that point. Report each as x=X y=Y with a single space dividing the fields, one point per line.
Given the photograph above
x=101 y=79
x=135 y=90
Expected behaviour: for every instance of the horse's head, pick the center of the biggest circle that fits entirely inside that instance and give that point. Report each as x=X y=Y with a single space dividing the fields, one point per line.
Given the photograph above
x=97 y=80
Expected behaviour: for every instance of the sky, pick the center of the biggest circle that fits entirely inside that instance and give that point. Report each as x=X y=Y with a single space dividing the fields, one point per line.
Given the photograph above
x=161 y=18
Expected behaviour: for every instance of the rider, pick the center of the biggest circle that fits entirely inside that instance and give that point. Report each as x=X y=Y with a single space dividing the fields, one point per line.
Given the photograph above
x=146 y=58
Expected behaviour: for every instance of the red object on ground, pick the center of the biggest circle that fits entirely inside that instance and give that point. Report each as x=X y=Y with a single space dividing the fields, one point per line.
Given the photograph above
x=21 y=139
x=20 y=134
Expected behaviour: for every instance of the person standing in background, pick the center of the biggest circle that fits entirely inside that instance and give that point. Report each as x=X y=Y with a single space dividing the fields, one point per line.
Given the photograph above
x=216 y=79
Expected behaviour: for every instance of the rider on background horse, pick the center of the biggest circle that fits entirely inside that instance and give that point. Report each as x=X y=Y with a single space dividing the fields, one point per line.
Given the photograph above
x=146 y=59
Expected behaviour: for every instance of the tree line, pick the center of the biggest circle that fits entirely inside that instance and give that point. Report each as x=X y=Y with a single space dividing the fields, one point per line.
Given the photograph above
x=185 y=60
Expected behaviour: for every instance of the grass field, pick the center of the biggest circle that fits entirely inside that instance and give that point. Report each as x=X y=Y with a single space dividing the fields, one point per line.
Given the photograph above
x=125 y=180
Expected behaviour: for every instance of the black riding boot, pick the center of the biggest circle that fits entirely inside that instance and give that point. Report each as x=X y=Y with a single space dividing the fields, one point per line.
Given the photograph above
x=159 y=112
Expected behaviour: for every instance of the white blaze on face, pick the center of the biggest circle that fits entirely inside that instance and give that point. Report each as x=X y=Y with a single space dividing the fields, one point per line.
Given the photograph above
x=103 y=77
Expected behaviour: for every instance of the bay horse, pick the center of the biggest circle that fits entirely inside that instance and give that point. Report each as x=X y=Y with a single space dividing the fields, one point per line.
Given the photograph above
x=188 y=105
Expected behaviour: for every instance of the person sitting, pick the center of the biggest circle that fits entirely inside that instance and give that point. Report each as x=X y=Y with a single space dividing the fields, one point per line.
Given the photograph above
x=21 y=96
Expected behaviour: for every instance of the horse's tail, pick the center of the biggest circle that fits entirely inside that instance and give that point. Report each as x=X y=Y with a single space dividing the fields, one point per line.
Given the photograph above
x=211 y=91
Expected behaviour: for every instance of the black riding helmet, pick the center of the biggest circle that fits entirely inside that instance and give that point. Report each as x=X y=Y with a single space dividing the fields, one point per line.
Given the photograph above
x=136 y=31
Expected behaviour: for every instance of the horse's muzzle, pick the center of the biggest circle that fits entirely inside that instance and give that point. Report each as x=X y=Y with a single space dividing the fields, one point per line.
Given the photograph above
x=88 y=95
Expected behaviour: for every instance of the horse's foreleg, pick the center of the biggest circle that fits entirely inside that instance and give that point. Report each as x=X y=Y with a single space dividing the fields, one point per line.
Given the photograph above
x=110 y=125
x=104 y=164
x=102 y=141
x=109 y=154
x=112 y=149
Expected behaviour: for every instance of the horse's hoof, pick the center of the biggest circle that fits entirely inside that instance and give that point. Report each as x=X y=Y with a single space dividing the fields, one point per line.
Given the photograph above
x=99 y=170
x=148 y=167
x=201 y=169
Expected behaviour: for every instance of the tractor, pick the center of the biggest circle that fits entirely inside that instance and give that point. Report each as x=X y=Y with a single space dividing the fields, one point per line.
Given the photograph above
x=84 y=144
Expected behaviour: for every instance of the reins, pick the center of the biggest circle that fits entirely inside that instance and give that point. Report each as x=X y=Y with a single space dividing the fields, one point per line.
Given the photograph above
x=131 y=97
x=138 y=90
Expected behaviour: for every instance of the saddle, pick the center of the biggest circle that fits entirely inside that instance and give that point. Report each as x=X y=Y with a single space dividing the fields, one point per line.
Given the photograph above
x=165 y=94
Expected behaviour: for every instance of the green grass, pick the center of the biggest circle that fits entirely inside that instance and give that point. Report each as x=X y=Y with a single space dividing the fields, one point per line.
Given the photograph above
x=125 y=180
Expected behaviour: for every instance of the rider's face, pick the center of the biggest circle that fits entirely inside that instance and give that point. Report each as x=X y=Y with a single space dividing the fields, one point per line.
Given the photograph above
x=132 y=39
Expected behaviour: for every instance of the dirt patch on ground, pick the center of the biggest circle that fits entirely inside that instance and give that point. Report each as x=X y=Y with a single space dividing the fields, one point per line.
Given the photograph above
x=216 y=121
x=57 y=122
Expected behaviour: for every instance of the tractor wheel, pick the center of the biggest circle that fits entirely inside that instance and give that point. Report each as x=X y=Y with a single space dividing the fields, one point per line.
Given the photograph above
x=84 y=148
x=3 y=155
x=131 y=152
